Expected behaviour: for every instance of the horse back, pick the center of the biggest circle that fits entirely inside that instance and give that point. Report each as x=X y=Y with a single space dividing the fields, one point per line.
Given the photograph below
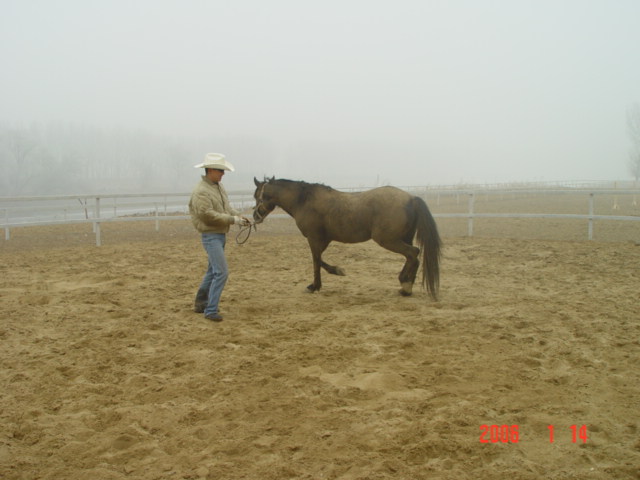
x=359 y=216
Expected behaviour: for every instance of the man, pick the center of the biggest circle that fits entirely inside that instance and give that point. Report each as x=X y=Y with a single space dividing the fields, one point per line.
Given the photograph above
x=212 y=215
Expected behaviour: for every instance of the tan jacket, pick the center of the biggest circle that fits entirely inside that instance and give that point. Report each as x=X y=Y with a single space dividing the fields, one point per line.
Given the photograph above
x=209 y=208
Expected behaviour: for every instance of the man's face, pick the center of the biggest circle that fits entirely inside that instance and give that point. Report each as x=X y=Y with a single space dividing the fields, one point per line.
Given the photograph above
x=215 y=175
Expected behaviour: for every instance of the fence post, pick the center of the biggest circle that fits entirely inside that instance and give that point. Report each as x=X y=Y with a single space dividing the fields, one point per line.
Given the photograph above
x=157 y=220
x=590 y=236
x=93 y=224
x=7 y=230
x=97 y=223
x=470 y=221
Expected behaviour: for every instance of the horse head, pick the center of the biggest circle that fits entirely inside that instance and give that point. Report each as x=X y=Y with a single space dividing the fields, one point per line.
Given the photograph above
x=264 y=200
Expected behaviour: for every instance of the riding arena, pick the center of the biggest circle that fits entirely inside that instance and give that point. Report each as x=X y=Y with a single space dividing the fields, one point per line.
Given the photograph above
x=524 y=366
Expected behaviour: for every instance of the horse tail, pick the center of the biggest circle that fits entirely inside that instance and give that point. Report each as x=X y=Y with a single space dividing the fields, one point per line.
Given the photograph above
x=430 y=243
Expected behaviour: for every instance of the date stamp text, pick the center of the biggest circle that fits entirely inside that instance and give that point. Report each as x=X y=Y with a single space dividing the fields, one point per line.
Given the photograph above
x=512 y=434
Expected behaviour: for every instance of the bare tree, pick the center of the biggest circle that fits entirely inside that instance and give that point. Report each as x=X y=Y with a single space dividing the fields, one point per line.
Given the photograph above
x=634 y=164
x=633 y=125
x=19 y=144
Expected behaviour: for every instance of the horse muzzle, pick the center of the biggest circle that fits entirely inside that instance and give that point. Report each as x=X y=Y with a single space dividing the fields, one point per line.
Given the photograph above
x=258 y=217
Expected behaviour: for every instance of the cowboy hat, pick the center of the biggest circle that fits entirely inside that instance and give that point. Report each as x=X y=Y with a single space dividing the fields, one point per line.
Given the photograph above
x=217 y=161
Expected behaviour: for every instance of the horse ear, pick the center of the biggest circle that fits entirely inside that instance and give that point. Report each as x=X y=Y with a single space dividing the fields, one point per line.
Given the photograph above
x=272 y=179
x=255 y=180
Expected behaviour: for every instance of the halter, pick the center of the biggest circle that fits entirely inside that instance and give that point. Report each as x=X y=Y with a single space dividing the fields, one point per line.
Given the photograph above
x=246 y=231
x=259 y=202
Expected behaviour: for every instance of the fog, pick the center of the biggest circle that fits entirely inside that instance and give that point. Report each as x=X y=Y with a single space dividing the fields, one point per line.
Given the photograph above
x=129 y=95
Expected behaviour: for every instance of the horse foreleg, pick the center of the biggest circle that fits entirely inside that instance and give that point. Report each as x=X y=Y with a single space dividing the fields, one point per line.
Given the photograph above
x=332 y=269
x=317 y=247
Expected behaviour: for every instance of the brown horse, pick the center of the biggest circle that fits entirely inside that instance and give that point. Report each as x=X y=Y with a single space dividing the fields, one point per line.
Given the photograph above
x=388 y=215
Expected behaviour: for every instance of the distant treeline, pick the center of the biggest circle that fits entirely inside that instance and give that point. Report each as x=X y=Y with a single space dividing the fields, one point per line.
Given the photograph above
x=67 y=159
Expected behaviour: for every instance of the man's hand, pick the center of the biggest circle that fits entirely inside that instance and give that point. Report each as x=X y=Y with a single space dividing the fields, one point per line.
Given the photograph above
x=242 y=221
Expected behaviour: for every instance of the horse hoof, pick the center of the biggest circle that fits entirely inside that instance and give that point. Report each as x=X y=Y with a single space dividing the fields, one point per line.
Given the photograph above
x=311 y=289
x=406 y=288
x=341 y=272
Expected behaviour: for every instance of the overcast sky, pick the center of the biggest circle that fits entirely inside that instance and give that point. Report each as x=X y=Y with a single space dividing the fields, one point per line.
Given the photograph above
x=345 y=92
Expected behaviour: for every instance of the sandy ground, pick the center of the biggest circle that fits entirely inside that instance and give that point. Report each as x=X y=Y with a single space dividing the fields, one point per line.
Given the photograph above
x=106 y=372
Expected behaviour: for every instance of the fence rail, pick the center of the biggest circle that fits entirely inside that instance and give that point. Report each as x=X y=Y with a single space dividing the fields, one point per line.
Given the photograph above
x=98 y=209
x=590 y=217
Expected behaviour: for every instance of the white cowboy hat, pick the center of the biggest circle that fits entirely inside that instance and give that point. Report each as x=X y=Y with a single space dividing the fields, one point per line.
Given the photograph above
x=217 y=161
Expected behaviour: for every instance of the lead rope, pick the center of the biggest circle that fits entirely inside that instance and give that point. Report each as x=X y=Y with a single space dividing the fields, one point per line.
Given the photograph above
x=245 y=230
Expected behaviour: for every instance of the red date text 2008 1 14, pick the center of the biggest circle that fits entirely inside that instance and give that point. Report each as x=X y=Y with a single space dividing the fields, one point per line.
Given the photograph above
x=511 y=433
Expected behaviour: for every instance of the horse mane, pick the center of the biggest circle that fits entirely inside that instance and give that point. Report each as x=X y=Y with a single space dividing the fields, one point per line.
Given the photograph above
x=305 y=190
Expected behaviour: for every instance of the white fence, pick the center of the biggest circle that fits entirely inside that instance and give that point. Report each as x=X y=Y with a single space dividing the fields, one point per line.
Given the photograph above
x=98 y=209
x=590 y=216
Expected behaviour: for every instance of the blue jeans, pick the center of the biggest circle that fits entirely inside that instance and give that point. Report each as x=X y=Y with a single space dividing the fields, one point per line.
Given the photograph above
x=217 y=273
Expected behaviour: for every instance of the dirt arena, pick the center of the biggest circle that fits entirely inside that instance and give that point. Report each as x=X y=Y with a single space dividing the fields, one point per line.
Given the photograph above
x=106 y=372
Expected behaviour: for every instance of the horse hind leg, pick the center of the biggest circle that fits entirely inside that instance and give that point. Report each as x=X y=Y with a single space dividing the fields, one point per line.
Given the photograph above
x=408 y=273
